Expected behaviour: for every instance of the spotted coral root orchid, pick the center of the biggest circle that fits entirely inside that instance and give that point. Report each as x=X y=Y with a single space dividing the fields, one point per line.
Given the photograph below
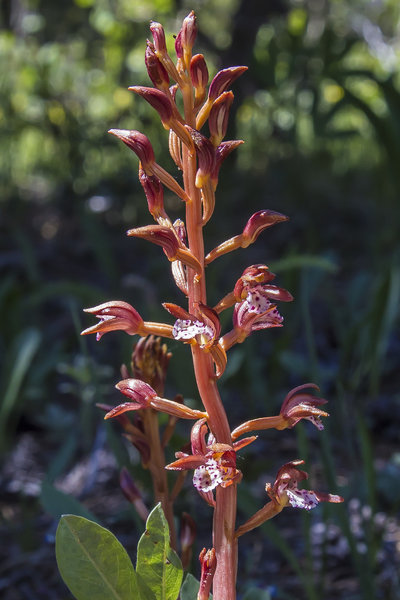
x=180 y=97
x=296 y=406
x=214 y=464
x=285 y=492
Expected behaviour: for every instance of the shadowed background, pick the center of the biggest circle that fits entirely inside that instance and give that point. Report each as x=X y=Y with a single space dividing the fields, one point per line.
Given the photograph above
x=319 y=110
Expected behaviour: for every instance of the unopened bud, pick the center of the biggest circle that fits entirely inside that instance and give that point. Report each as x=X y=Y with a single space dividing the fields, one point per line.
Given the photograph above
x=154 y=193
x=188 y=32
x=205 y=156
x=219 y=116
x=137 y=142
x=223 y=79
x=178 y=45
x=160 y=235
x=198 y=71
x=208 y=561
x=199 y=76
x=169 y=241
x=150 y=360
x=221 y=153
x=159 y=37
x=137 y=390
x=158 y=100
x=257 y=223
x=157 y=72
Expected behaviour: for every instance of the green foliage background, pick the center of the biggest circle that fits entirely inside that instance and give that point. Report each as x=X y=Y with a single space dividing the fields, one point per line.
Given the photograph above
x=319 y=110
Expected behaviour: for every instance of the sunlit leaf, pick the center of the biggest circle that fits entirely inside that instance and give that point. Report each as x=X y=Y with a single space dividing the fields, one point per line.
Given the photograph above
x=157 y=564
x=92 y=562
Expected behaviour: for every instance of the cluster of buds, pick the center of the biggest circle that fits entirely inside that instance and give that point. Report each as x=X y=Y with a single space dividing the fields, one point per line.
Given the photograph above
x=253 y=301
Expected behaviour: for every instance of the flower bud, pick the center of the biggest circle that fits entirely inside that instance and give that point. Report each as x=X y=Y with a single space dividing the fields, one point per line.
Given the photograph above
x=189 y=31
x=160 y=235
x=198 y=71
x=257 y=223
x=150 y=360
x=205 y=156
x=208 y=561
x=167 y=238
x=157 y=72
x=254 y=226
x=221 y=153
x=178 y=45
x=139 y=143
x=159 y=37
x=223 y=80
x=155 y=195
x=219 y=116
x=158 y=100
x=137 y=390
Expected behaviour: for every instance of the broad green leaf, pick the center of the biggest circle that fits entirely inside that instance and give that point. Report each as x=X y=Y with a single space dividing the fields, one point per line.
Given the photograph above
x=157 y=564
x=92 y=562
x=57 y=503
x=190 y=588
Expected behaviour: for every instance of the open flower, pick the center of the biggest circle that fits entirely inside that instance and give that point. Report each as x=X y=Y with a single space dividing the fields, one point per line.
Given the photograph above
x=254 y=286
x=115 y=315
x=202 y=330
x=285 y=492
x=296 y=406
x=193 y=329
x=142 y=395
x=246 y=320
x=214 y=464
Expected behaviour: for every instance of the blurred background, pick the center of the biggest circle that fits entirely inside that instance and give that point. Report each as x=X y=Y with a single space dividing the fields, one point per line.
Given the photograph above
x=319 y=110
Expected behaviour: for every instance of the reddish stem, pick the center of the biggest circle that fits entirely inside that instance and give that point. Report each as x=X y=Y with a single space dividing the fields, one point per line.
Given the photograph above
x=224 y=541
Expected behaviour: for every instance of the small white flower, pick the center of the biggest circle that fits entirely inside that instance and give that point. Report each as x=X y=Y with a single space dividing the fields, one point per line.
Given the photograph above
x=185 y=329
x=208 y=476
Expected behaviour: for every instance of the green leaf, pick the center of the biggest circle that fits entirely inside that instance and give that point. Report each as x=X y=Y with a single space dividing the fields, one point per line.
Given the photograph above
x=158 y=566
x=92 y=562
x=190 y=588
